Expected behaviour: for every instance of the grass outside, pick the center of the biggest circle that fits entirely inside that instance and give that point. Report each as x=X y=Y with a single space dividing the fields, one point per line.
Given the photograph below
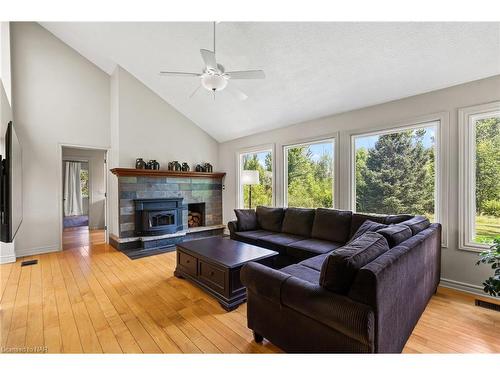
x=487 y=228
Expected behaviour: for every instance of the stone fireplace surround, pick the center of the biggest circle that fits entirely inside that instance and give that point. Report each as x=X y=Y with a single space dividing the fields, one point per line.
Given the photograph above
x=207 y=190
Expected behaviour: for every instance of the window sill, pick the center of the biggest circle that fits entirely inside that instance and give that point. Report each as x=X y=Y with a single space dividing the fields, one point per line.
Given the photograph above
x=474 y=248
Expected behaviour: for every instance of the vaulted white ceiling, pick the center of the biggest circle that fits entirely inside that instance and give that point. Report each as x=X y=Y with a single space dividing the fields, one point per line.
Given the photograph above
x=312 y=69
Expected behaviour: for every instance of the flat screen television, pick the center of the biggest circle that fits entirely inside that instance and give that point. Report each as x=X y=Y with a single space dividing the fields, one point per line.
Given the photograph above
x=11 y=186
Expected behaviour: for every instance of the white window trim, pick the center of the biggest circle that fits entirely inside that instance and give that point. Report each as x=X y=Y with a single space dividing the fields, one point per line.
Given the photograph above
x=251 y=150
x=442 y=162
x=467 y=117
x=331 y=139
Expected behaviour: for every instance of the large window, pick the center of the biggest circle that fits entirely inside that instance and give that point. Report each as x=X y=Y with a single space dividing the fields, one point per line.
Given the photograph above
x=256 y=179
x=395 y=171
x=480 y=175
x=309 y=174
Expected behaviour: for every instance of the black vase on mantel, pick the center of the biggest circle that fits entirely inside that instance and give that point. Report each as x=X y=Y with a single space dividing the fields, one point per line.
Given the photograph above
x=209 y=168
x=140 y=163
x=185 y=167
x=153 y=164
x=177 y=166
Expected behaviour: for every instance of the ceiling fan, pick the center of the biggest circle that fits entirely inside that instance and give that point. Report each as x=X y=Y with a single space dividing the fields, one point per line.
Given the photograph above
x=215 y=78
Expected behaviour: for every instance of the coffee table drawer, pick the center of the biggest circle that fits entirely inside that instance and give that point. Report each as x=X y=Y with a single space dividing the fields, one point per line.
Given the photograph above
x=187 y=262
x=214 y=276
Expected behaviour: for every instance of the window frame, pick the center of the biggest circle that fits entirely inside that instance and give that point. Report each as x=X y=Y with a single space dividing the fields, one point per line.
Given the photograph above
x=286 y=147
x=467 y=117
x=239 y=158
x=441 y=188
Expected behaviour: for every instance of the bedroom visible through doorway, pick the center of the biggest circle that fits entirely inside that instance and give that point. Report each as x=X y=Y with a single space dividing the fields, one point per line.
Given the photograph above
x=84 y=197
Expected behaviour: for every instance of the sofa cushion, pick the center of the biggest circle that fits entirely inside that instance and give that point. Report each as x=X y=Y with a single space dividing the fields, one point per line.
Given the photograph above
x=358 y=219
x=395 y=234
x=396 y=219
x=247 y=219
x=270 y=218
x=417 y=224
x=279 y=241
x=367 y=226
x=315 y=262
x=310 y=247
x=341 y=266
x=332 y=225
x=255 y=234
x=298 y=221
x=303 y=273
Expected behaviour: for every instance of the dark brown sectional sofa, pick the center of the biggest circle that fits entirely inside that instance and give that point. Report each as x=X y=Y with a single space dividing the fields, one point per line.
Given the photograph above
x=343 y=282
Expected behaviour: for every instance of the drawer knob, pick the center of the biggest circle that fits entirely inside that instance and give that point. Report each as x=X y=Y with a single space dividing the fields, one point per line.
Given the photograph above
x=212 y=273
x=187 y=261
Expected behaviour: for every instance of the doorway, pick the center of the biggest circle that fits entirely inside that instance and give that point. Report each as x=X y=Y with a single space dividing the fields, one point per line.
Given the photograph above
x=83 y=197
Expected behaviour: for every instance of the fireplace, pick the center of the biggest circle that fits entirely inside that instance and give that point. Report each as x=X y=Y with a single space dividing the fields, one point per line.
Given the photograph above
x=155 y=217
x=196 y=215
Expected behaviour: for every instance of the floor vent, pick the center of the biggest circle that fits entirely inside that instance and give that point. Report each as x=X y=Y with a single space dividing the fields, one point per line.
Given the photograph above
x=29 y=262
x=488 y=305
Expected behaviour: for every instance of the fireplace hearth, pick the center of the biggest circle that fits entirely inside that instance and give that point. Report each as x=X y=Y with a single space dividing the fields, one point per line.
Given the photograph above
x=154 y=217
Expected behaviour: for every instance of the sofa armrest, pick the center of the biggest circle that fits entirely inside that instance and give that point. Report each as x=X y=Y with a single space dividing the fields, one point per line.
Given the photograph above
x=262 y=280
x=349 y=317
x=232 y=226
x=398 y=284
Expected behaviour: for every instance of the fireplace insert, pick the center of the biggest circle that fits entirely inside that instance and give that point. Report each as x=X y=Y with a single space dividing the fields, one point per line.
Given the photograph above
x=155 y=217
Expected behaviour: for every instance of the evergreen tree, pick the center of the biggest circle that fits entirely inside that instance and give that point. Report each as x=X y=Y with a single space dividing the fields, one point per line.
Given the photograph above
x=397 y=177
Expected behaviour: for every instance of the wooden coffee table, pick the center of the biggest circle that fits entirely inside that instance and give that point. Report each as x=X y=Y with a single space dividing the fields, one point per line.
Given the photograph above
x=214 y=264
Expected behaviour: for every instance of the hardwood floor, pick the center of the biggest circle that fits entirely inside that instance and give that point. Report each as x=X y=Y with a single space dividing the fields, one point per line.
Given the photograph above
x=82 y=236
x=94 y=299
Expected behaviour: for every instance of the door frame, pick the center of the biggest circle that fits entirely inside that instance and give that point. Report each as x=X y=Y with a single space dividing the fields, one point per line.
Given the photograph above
x=60 y=192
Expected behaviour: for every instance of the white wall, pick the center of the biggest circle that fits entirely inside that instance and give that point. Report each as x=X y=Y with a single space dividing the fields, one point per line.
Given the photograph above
x=58 y=98
x=5 y=74
x=458 y=267
x=97 y=183
x=114 y=156
x=152 y=129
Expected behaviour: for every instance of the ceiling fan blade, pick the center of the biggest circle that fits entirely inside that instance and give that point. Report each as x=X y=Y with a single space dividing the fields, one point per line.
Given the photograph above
x=237 y=93
x=194 y=92
x=209 y=58
x=180 y=74
x=246 y=74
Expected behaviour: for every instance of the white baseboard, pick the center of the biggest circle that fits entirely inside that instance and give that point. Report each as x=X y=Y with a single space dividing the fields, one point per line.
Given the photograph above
x=36 y=250
x=464 y=287
x=7 y=259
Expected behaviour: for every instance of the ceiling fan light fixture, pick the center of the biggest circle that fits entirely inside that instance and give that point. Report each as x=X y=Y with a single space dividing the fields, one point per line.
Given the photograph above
x=213 y=82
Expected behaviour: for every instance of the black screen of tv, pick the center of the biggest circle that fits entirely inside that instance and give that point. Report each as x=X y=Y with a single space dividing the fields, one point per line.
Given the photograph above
x=12 y=185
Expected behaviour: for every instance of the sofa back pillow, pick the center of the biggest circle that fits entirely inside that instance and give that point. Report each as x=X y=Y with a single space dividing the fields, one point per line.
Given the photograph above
x=367 y=226
x=359 y=219
x=247 y=219
x=417 y=224
x=298 y=221
x=395 y=234
x=270 y=218
x=340 y=267
x=332 y=225
x=396 y=219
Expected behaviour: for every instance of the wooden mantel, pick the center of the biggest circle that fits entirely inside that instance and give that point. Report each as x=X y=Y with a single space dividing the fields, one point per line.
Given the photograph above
x=163 y=173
